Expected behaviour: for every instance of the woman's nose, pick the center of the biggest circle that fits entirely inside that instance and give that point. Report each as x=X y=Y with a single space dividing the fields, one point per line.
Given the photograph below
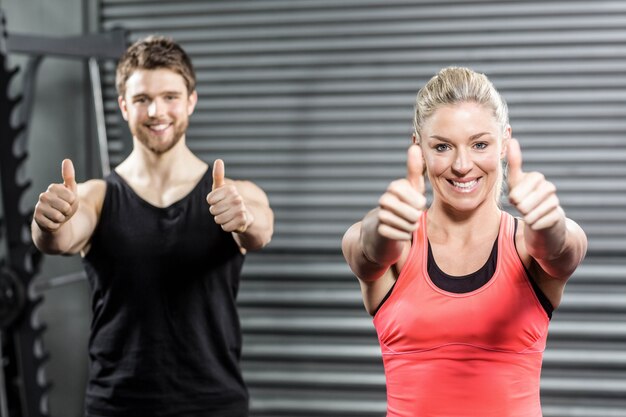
x=462 y=162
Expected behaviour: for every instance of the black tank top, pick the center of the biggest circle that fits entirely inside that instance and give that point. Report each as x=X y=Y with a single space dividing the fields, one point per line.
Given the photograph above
x=165 y=334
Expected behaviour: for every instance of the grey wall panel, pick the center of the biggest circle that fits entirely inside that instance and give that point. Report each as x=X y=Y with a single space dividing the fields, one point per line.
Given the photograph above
x=313 y=100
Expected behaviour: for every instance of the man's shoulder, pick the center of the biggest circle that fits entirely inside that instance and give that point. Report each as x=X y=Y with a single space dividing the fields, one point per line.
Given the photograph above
x=92 y=186
x=92 y=192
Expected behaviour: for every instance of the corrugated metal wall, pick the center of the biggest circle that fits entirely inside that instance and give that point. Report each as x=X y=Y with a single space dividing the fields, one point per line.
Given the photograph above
x=313 y=101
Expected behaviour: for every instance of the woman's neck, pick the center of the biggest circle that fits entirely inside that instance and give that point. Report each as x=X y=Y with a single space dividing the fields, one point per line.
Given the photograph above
x=446 y=223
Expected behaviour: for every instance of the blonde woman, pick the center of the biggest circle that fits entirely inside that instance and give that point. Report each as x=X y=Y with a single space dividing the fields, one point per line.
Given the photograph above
x=461 y=291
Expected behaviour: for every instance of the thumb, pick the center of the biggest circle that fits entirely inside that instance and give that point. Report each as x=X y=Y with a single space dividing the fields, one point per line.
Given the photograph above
x=68 y=174
x=415 y=168
x=514 y=157
x=218 y=174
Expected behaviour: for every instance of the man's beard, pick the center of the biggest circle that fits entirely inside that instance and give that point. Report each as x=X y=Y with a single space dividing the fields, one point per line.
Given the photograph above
x=160 y=145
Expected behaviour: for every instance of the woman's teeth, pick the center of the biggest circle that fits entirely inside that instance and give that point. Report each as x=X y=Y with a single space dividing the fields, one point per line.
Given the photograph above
x=464 y=185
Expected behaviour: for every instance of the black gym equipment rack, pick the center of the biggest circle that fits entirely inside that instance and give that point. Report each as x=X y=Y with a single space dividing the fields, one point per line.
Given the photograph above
x=23 y=388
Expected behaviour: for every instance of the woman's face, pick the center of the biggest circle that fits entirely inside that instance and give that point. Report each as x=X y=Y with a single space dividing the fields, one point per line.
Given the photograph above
x=462 y=146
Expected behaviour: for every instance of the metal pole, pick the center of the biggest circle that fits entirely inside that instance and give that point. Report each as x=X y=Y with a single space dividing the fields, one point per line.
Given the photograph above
x=46 y=284
x=4 y=407
x=96 y=90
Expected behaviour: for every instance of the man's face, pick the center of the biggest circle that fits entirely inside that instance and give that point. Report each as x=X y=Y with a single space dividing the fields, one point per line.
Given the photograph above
x=157 y=107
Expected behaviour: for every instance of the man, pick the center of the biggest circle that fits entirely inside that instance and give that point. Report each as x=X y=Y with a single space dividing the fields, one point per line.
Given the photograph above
x=163 y=264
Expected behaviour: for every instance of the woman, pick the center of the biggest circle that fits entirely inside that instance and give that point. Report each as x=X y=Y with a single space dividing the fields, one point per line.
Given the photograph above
x=462 y=292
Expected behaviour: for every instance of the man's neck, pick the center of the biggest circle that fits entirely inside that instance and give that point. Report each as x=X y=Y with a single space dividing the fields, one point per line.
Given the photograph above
x=147 y=167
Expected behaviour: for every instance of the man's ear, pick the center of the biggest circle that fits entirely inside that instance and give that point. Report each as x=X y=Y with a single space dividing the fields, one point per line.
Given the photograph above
x=121 y=102
x=191 y=103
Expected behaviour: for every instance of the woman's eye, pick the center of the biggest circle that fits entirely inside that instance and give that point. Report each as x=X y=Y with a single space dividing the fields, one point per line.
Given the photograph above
x=481 y=145
x=441 y=147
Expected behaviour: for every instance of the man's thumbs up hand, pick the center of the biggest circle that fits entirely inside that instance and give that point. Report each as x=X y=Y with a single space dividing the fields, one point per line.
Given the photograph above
x=69 y=176
x=218 y=174
x=226 y=204
x=59 y=202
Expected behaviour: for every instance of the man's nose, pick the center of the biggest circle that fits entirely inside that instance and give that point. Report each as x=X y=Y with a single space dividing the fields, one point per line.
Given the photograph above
x=154 y=108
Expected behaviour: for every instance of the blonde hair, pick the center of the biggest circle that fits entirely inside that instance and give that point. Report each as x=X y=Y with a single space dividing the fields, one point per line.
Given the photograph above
x=454 y=85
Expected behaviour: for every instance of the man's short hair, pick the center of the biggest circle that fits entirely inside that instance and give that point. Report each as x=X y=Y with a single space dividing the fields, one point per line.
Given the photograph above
x=151 y=53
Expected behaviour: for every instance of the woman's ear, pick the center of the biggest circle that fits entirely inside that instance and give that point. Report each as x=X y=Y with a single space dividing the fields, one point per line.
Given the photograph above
x=417 y=143
x=505 y=141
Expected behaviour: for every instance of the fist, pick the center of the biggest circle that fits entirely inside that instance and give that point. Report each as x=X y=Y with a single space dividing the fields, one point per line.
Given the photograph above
x=530 y=193
x=59 y=202
x=402 y=204
x=226 y=204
